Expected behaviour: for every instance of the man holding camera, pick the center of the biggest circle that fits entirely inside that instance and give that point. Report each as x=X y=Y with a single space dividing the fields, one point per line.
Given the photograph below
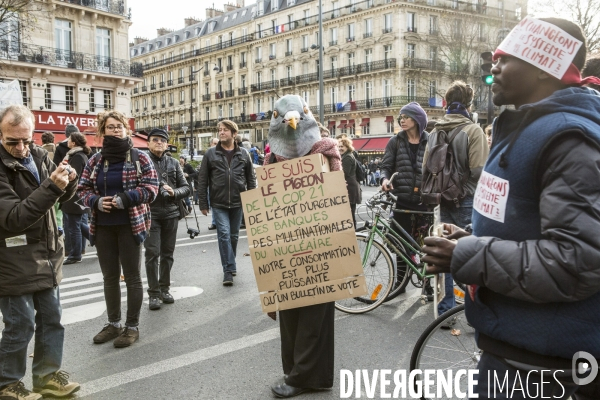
x=165 y=217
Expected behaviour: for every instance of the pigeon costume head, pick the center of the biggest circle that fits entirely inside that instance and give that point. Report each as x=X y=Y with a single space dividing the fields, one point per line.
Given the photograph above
x=293 y=130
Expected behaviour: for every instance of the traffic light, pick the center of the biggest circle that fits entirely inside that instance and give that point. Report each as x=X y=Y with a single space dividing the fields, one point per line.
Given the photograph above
x=486 y=68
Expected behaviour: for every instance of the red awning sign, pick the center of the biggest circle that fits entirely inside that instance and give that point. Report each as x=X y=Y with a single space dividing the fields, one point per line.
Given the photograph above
x=330 y=124
x=365 y=121
x=342 y=124
x=350 y=124
x=377 y=144
x=389 y=118
x=358 y=144
x=58 y=121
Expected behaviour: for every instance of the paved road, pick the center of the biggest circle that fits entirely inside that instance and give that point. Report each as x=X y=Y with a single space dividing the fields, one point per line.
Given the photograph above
x=214 y=342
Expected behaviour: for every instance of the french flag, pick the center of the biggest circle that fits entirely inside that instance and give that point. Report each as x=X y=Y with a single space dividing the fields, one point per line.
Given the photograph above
x=279 y=28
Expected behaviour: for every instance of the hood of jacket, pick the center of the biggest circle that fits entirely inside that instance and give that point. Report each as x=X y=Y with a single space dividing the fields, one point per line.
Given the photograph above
x=451 y=121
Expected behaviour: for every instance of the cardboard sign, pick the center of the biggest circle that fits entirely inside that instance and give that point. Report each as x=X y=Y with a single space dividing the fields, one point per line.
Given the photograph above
x=491 y=196
x=301 y=236
x=542 y=45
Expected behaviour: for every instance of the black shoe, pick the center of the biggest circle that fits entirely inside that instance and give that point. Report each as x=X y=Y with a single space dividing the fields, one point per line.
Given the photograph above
x=234 y=273
x=286 y=391
x=71 y=261
x=227 y=279
x=166 y=297
x=212 y=227
x=154 y=303
x=449 y=324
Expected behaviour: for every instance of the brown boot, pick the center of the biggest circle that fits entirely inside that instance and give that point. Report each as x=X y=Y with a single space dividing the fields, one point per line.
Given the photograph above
x=127 y=338
x=109 y=332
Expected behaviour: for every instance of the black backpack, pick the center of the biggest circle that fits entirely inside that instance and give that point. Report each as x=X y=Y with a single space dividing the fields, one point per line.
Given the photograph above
x=441 y=182
x=360 y=172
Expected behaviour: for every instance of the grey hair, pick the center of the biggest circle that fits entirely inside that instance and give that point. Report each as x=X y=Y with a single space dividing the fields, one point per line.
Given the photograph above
x=19 y=114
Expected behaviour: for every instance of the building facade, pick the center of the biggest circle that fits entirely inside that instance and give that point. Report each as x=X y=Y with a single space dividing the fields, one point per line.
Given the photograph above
x=378 y=56
x=73 y=63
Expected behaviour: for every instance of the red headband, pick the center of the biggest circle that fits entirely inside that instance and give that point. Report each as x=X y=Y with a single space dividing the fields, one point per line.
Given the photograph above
x=571 y=77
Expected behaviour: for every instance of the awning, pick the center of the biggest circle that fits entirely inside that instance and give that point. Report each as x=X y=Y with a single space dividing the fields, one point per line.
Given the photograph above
x=389 y=118
x=342 y=124
x=330 y=124
x=365 y=121
x=358 y=144
x=350 y=124
x=377 y=144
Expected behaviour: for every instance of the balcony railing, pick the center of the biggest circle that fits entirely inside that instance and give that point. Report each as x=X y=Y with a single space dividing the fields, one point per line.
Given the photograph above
x=304 y=50
x=411 y=29
x=181 y=79
x=153 y=86
x=274 y=84
x=205 y=97
x=333 y=43
x=112 y=7
x=287 y=81
x=206 y=72
x=218 y=95
x=135 y=90
x=229 y=67
x=288 y=53
x=418 y=63
x=258 y=60
x=350 y=39
x=161 y=85
x=242 y=91
x=144 y=88
x=367 y=35
x=69 y=59
x=272 y=57
x=386 y=30
x=379 y=103
x=163 y=105
x=243 y=64
x=62 y=105
x=171 y=104
x=170 y=82
x=229 y=93
x=181 y=102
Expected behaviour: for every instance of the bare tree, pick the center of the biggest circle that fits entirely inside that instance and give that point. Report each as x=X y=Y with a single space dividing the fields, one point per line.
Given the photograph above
x=585 y=13
x=17 y=19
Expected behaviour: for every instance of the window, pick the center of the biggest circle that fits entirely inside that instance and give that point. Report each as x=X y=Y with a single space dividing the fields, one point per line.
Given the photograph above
x=288 y=72
x=304 y=68
x=433 y=25
x=258 y=54
x=334 y=63
x=410 y=50
x=351 y=92
x=272 y=103
x=389 y=127
x=411 y=89
x=410 y=23
x=306 y=14
x=261 y=7
x=230 y=84
x=433 y=53
x=274 y=5
x=273 y=75
x=258 y=78
x=103 y=49
x=10 y=29
x=171 y=98
x=366 y=129
x=243 y=81
x=368 y=90
x=243 y=57
x=220 y=111
x=24 y=92
x=335 y=9
x=272 y=52
x=101 y=100
x=387 y=23
x=350 y=59
x=62 y=40
x=288 y=47
x=334 y=96
x=207 y=113
x=305 y=42
x=305 y=96
x=369 y=56
x=59 y=98
x=258 y=105
x=500 y=7
x=206 y=88
x=387 y=52
x=333 y=36
x=432 y=89
x=387 y=89
x=230 y=110
x=291 y=2
x=181 y=96
x=350 y=33
x=368 y=27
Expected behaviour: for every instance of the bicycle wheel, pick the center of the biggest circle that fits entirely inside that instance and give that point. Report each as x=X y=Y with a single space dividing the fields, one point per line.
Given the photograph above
x=402 y=271
x=379 y=274
x=440 y=348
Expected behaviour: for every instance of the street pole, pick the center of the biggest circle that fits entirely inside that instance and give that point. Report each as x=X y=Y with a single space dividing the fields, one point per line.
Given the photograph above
x=490 y=110
x=192 y=74
x=321 y=96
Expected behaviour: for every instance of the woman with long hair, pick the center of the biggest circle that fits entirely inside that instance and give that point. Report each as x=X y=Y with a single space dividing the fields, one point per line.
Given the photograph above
x=349 y=167
x=77 y=223
x=118 y=184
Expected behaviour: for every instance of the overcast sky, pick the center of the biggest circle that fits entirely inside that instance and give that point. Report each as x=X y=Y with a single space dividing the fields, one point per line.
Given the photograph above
x=149 y=15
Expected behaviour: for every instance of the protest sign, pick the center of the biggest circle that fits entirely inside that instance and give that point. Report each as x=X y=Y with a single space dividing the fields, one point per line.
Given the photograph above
x=491 y=196
x=301 y=235
x=542 y=45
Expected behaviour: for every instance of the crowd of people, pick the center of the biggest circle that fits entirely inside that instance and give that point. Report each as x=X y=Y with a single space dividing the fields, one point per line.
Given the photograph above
x=531 y=266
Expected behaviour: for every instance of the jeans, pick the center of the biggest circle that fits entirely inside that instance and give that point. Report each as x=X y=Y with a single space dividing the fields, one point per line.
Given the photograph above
x=460 y=217
x=228 y=221
x=78 y=231
x=534 y=385
x=39 y=311
x=160 y=244
x=117 y=248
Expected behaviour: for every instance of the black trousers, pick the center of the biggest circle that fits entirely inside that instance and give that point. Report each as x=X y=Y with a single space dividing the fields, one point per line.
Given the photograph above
x=117 y=248
x=160 y=244
x=307 y=345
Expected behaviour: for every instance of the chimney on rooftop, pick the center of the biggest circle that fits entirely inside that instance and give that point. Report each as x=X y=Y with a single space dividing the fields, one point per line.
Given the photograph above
x=138 y=40
x=229 y=7
x=239 y=3
x=191 y=21
x=163 y=31
x=213 y=12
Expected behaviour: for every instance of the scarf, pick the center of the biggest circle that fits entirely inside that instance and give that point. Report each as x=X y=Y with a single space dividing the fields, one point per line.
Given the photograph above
x=71 y=152
x=458 y=108
x=115 y=149
x=28 y=163
x=326 y=146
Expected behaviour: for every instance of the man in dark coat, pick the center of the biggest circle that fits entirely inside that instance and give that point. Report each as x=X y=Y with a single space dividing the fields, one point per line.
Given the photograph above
x=165 y=219
x=31 y=258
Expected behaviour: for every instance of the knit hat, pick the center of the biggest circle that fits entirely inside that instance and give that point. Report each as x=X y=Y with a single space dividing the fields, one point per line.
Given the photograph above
x=158 y=132
x=416 y=112
x=70 y=129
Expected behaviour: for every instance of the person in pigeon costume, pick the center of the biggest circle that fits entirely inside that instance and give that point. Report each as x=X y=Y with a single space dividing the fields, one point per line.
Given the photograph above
x=307 y=332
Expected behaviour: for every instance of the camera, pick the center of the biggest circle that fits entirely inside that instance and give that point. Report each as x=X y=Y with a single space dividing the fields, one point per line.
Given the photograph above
x=193 y=232
x=163 y=192
x=68 y=169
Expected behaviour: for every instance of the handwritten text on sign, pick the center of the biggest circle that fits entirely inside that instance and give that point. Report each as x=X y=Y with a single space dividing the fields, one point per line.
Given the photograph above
x=491 y=196
x=543 y=45
x=302 y=241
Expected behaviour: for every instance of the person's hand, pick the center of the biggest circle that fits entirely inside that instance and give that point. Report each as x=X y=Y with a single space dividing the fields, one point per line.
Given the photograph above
x=169 y=190
x=105 y=204
x=186 y=175
x=60 y=176
x=204 y=212
x=384 y=185
x=438 y=252
x=453 y=232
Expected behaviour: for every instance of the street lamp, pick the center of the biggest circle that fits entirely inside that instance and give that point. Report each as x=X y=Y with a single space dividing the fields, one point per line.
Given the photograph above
x=321 y=96
x=191 y=148
x=185 y=128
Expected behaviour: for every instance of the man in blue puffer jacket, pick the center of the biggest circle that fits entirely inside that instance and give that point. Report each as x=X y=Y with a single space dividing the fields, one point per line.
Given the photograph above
x=533 y=261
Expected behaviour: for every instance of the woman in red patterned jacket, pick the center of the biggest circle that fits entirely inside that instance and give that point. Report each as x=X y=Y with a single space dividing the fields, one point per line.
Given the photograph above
x=118 y=184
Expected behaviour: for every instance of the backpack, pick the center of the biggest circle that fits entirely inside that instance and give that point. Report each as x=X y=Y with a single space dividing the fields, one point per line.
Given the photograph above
x=441 y=182
x=254 y=155
x=360 y=172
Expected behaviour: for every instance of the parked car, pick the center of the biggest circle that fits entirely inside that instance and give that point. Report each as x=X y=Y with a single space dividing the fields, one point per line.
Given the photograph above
x=186 y=154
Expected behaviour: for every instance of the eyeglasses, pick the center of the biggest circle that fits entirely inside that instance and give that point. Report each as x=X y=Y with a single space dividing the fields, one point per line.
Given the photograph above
x=115 y=128
x=15 y=142
x=159 y=140
x=405 y=117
